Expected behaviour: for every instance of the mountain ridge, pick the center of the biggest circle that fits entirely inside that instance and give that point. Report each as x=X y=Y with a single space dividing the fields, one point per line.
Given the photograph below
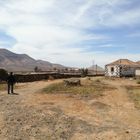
x=11 y=61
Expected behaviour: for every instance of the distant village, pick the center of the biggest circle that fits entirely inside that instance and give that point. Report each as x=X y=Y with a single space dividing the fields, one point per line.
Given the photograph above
x=118 y=68
x=123 y=68
x=24 y=66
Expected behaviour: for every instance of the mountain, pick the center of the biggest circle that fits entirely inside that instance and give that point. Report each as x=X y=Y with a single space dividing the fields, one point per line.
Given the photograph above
x=22 y=62
x=96 y=68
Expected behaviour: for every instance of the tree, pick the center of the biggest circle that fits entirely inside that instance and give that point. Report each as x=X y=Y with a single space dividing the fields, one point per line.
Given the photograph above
x=55 y=69
x=36 y=69
x=84 y=72
x=66 y=69
x=3 y=75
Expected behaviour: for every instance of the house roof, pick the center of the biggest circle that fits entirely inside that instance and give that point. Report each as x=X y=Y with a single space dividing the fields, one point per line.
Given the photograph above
x=124 y=62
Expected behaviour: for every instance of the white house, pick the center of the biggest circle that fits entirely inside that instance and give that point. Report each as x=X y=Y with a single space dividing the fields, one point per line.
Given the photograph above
x=121 y=68
x=137 y=73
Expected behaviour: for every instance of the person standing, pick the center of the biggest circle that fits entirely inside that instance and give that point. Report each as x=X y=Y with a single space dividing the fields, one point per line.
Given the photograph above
x=10 y=82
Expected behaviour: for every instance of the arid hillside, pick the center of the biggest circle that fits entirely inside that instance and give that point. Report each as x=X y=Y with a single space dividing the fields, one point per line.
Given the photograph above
x=22 y=62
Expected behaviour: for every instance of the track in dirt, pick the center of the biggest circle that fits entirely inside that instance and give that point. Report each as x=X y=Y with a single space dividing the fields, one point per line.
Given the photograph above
x=36 y=116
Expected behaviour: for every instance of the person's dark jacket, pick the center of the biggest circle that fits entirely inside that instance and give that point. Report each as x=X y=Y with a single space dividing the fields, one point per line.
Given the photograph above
x=11 y=79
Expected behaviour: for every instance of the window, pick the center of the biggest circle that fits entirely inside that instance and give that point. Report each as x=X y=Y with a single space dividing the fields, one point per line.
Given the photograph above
x=121 y=68
x=112 y=69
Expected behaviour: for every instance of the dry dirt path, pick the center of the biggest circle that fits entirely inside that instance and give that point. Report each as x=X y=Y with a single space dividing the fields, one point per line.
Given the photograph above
x=32 y=115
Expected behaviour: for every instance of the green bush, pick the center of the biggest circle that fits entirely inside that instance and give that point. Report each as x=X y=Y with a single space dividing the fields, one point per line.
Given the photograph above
x=84 y=72
x=3 y=75
x=138 y=82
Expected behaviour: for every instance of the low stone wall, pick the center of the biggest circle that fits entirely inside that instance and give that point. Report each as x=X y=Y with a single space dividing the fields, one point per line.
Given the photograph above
x=38 y=77
x=21 y=78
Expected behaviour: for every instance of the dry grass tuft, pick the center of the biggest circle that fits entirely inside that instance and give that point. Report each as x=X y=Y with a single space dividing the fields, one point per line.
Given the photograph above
x=3 y=86
x=134 y=94
x=138 y=82
x=87 y=87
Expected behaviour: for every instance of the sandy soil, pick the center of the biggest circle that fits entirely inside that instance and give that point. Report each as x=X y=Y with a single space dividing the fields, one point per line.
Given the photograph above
x=32 y=115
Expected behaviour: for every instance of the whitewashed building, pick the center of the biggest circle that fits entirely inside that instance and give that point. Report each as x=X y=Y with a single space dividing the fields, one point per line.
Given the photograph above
x=137 y=73
x=121 y=68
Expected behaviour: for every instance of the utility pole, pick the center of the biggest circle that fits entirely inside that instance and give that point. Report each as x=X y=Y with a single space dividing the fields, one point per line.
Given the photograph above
x=93 y=62
x=96 y=69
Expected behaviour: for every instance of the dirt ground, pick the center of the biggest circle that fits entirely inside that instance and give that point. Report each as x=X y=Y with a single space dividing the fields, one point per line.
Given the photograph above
x=32 y=115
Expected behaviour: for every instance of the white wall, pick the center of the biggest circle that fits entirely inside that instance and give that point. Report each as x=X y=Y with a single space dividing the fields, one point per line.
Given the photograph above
x=137 y=73
x=125 y=71
x=111 y=74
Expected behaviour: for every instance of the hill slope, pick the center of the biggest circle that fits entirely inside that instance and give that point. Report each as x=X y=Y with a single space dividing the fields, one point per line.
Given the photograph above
x=96 y=67
x=22 y=62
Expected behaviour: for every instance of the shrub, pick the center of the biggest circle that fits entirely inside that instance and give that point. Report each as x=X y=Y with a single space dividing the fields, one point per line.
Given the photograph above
x=3 y=75
x=97 y=81
x=37 y=69
x=84 y=72
x=138 y=82
x=51 y=77
x=87 y=87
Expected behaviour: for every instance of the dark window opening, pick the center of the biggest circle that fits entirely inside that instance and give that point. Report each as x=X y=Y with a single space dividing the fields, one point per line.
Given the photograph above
x=112 y=69
x=120 y=69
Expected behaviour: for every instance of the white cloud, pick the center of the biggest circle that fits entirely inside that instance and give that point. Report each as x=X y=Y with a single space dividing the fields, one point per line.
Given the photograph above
x=127 y=18
x=29 y=6
x=53 y=30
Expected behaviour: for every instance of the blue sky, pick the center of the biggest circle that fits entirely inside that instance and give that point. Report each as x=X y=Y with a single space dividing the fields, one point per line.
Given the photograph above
x=72 y=32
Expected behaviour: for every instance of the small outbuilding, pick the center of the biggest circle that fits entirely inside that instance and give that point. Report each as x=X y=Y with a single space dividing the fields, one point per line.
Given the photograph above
x=137 y=73
x=121 y=68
